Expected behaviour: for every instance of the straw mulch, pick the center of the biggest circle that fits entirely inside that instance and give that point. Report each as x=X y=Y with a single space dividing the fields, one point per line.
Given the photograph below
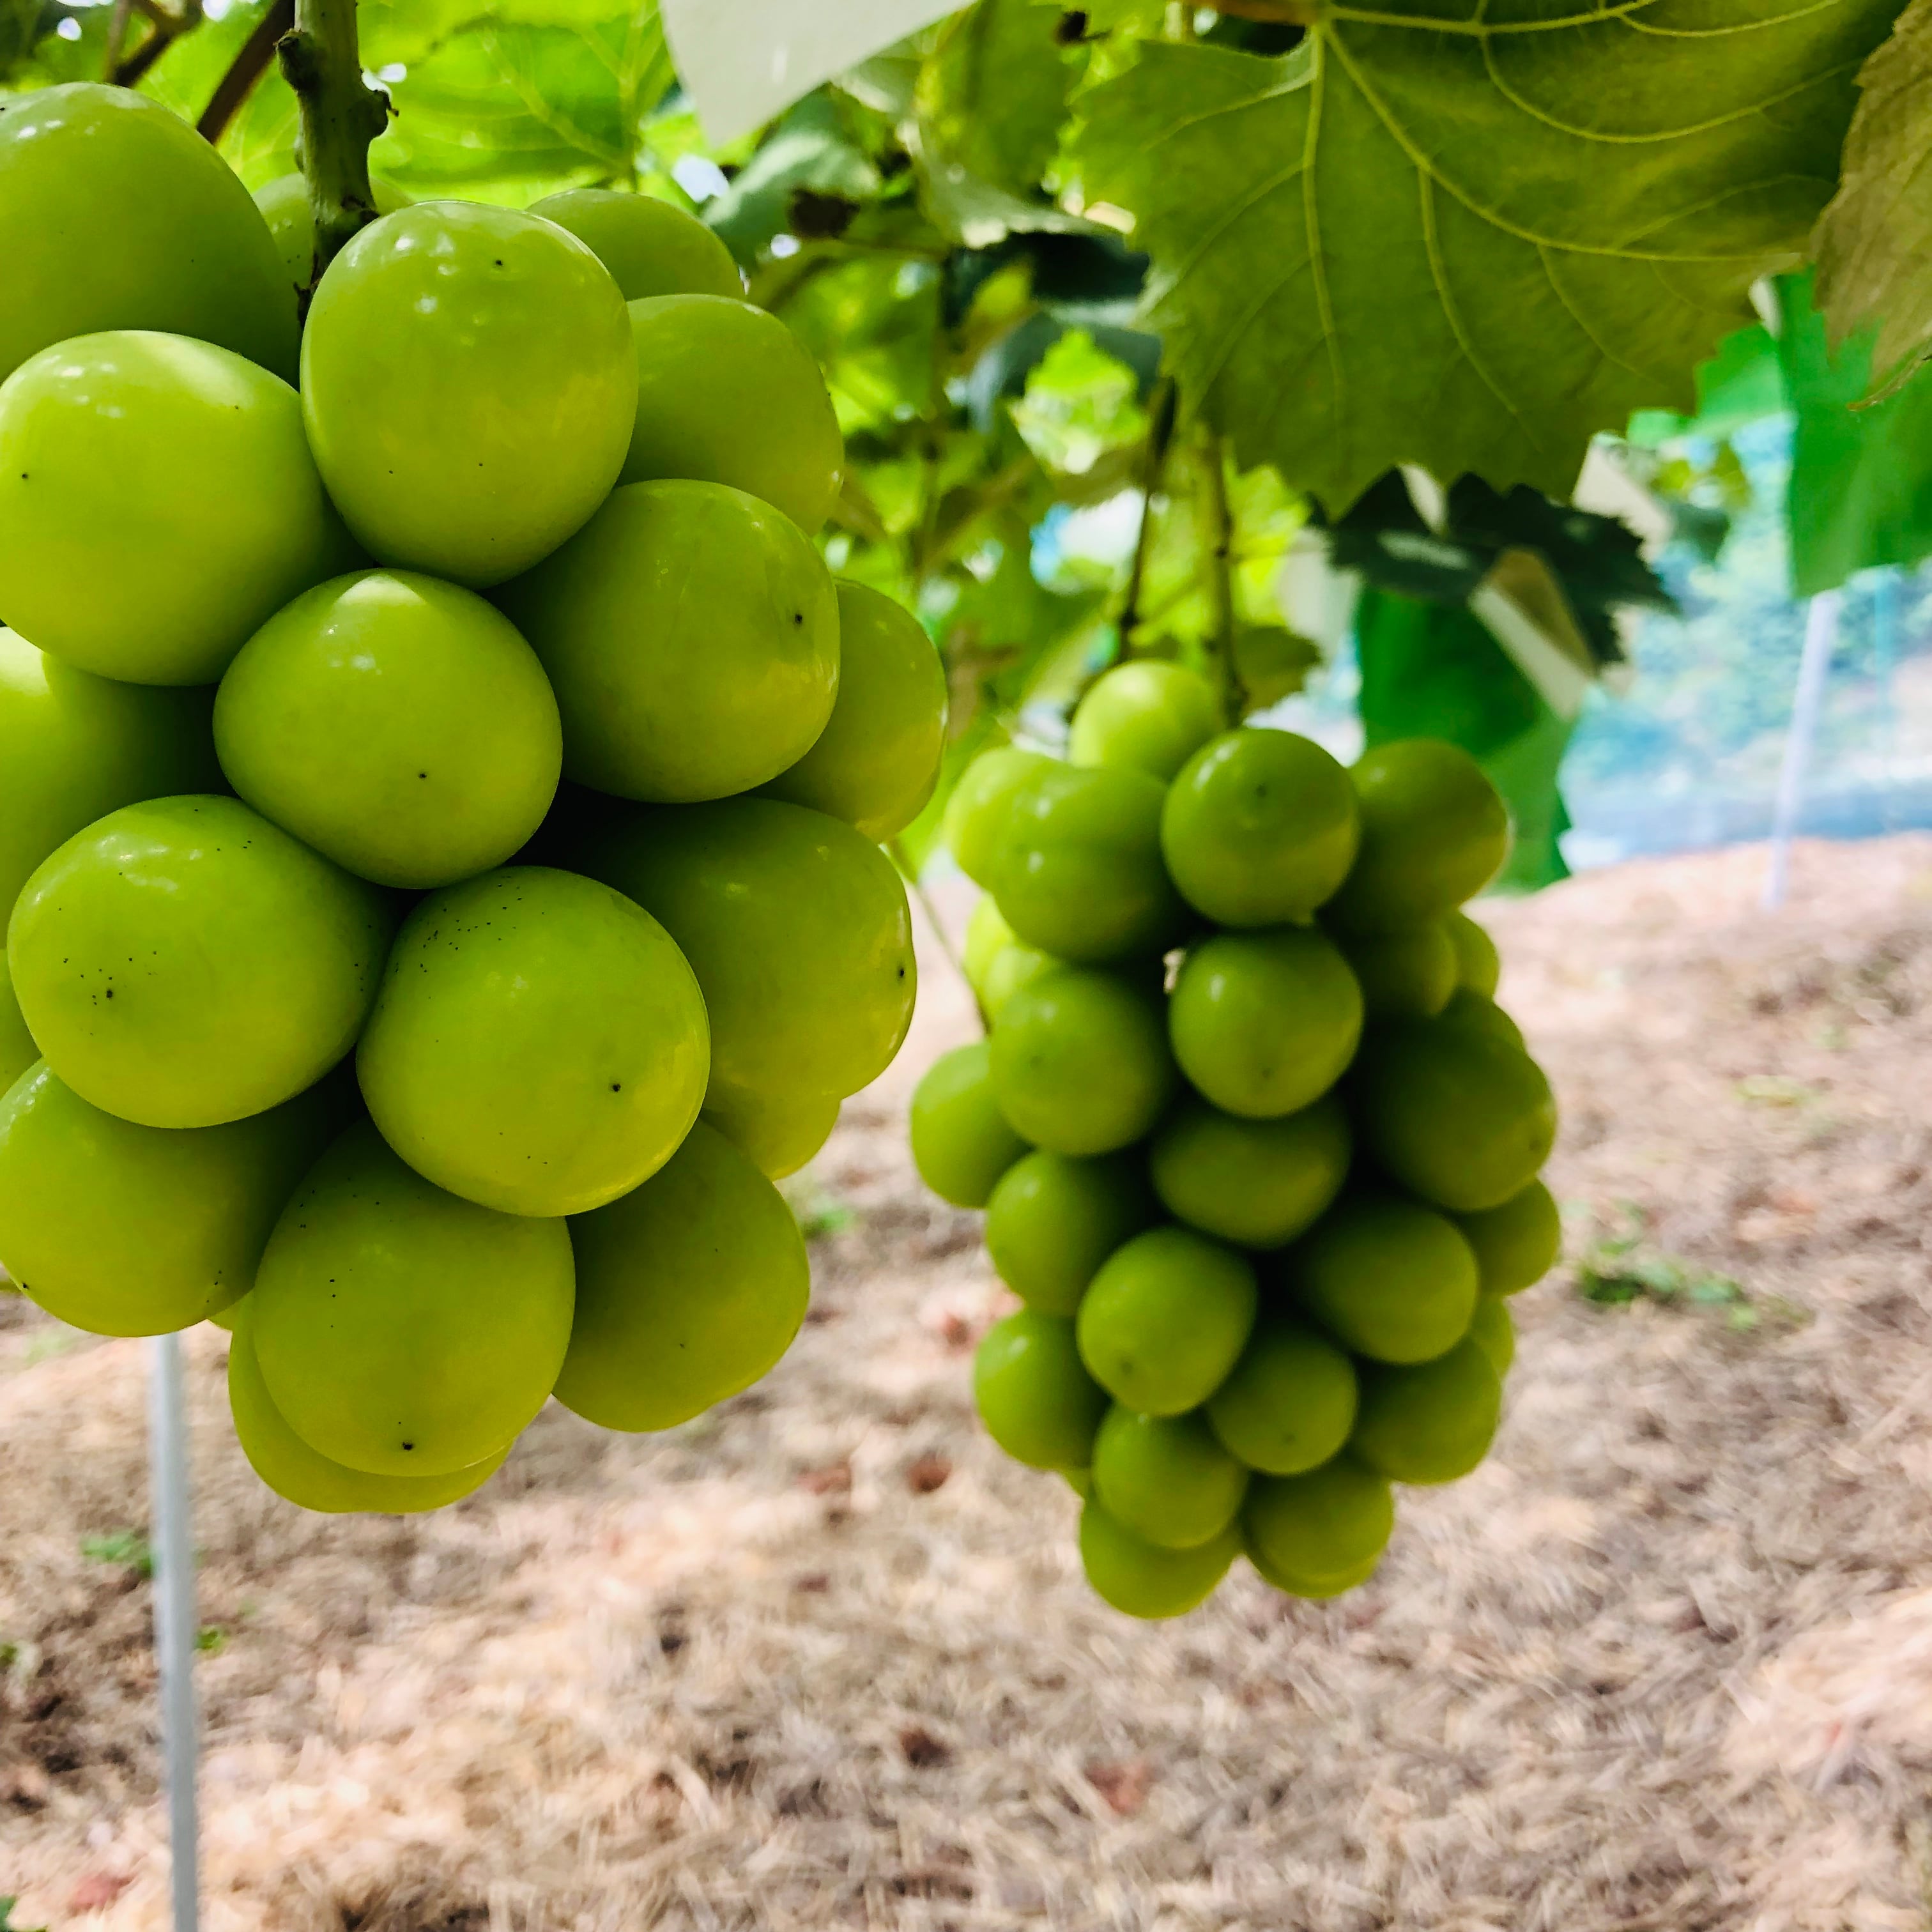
x=824 y=1659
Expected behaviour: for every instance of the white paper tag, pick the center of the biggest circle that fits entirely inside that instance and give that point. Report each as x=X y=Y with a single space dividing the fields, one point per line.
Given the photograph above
x=743 y=61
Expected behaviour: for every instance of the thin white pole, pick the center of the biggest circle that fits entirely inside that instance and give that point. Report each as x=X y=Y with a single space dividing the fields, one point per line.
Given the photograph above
x=1821 y=637
x=171 y=1544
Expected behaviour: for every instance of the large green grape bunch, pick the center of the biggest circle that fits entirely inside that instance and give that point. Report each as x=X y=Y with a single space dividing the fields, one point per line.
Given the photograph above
x=1258 y=1150
x=440 y=802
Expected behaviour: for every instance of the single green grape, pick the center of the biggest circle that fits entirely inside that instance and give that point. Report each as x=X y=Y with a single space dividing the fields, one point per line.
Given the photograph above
x=1146 y=715
x=1080 y=1481
x=300 y=1475
x=1259 y=828
x=1015 y=967
x=74 y=747
x=403 y=1331
x=997 y=965
x=157 y=503
x=1164 y=1319
x=1053 y=1219
x=468 y=383
x=961 y=1143
x=1494 y=1332
x=1392 y=1279
x=286 y=209
x=975 y=824
x=126 y=1230
x=1319 y=1533
x=1079 y=875
x=650 y=248
x=726 y=394
x=1263 y=1023
x=692 y=636
x=1479 y=966
x=1289 y=1402
x=877 y=762
x=1434 y=833
x=397 y=723
x=538 y=1045
x=688 y=1289
x=1468 y=1007
x=17 y=1050
x=1038 y=1403
x=1428 y=1422
x=781 y=1131
x=1080 y=1062
x=1517 y=1242
x=797 y=928
x=1409 y=973
x=115 y=214
x=1257 y=1183
x=1456 y=1114
x=1141 y=1579
x=183 y=962
x=1166 y=1478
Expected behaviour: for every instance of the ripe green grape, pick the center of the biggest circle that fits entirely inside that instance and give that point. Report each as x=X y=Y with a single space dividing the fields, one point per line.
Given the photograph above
x=183 y=962
x=975 y=826
x=1494 y=1332
x=1479 y=966
x=1434 y=833
x=1468 y=1007
x=726 y=394
x=538 y=1045
x=1037 y=1401
x=1079 y=875
x=125 y=1230
x=1263 y=1023
x=1407 y=974
x=400 y=1330
x=688 y=1290
x=1393 y=1279
x=961 y=1143
x=1428 y=1422
x=1289 y=1403
x=692 y=636
x=115 y=214
x=1165 y=1318
x=996 y=964
x=796 y=927
x=17 y=1050
x=285 y=206
x=468 y=383
x=397 y=723
x=877 y=761
x=781 y=1131
x=1053 y=1219
x=1147 y=716
x=1257 y=1183
x=1166 y=1478
x=1456 y=1115
x=300 y=1475
x=1517 y=1242
x=650 y=248
x=158 y=503
x=1080 y=1061
x=1317 y=1534
x=1141 y=1579
x=1259 y=828
x=74 y=747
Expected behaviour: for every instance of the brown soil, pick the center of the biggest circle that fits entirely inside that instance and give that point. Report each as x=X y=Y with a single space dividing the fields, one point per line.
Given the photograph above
x=824 y=1659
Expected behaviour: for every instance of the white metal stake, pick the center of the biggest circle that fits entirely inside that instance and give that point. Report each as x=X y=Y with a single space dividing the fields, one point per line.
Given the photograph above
x=172 y=1546
x=1821 y=637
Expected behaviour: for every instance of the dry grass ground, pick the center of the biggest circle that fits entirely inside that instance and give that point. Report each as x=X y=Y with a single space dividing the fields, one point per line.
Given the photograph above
x=824 y=1660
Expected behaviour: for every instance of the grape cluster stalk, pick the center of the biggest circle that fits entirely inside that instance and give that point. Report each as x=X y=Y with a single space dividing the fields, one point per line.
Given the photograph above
x=442 y=789
x=1258 y=1150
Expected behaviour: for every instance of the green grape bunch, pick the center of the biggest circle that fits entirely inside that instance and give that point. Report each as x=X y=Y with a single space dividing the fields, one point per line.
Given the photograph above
x=442 y=790
x=1257 y=1148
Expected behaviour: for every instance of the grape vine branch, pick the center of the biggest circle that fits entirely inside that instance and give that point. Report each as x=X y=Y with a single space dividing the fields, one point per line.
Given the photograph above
x=341 y=114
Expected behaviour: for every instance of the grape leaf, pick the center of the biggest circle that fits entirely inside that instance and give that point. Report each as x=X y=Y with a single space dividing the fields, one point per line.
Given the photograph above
x=1874 y=242
x=1467 y=236
x=992 y=95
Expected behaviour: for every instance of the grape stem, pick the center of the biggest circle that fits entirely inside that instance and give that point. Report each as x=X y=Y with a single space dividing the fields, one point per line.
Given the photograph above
x=341 y=114
x=1153 y=461
x=248 y=66
x=1216 y=554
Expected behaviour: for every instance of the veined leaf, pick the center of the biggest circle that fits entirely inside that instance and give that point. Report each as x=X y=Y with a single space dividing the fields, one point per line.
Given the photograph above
x=992 y=95
x=1468 y=235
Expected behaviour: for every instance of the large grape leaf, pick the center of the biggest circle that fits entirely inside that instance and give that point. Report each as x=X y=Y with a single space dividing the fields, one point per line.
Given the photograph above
x=1874 y=244
x=991 y=94
x=1467 y=234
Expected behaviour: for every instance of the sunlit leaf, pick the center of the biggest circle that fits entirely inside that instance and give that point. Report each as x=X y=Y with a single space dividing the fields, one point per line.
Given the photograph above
x=992 y=95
